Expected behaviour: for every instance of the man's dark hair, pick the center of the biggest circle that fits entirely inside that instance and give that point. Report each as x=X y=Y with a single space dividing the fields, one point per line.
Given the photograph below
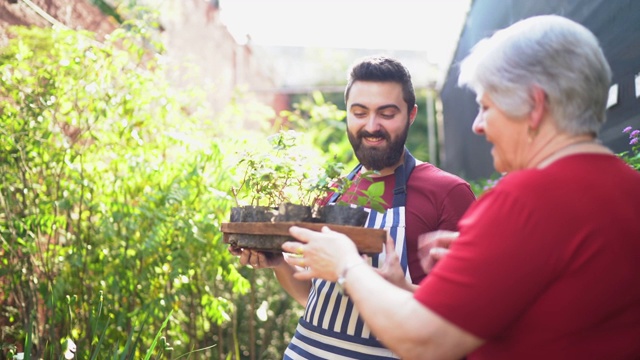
x=382 y=69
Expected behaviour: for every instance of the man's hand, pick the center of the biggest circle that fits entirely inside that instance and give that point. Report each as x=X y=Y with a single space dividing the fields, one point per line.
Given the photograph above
x=284 y=272
x=258 y=259
x=433 y=246
x=391 y=269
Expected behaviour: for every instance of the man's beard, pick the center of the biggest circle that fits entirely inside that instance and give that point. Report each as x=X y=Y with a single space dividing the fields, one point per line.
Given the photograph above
x=379 y=157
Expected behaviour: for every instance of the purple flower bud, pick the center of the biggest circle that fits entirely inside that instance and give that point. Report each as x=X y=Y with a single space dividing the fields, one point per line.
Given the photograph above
x=633 y=141
x=627 y=129
x=634 y=133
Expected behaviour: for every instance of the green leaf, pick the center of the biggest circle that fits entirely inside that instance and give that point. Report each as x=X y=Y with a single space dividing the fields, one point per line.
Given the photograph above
x=375 y=190
x=158 y=336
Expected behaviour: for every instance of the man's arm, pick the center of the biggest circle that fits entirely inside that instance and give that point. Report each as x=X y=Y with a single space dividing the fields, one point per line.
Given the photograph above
x=454 y=206
x=298 y=289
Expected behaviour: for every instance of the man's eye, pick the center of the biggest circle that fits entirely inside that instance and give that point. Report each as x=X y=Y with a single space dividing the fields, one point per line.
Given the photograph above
x=388 y=116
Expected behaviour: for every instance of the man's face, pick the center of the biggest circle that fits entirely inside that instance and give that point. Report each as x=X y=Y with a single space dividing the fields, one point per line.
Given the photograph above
x=378 y=123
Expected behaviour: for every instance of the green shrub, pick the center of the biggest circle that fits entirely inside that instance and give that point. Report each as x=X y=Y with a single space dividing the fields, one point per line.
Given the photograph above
x=110 y=204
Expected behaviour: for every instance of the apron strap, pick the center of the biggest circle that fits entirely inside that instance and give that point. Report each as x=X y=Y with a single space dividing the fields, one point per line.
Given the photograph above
x=402 y=174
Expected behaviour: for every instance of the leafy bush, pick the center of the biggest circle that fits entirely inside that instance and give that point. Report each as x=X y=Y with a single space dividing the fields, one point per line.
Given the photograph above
x=112 y=190
x=111 y=205
x=323 y=125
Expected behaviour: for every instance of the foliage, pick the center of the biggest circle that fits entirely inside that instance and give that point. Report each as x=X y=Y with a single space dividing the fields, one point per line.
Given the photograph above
x=112 y=200
x=370 y=197
x=322 y=124
x=480 y=186
x=419 y=137
x=632 y=157
x=283 y=171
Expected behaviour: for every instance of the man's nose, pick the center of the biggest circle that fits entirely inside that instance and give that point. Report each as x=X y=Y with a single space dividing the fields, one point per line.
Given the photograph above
x=373 y=123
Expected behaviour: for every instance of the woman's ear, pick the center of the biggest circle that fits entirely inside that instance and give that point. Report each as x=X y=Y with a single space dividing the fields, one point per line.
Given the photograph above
x=539 y=97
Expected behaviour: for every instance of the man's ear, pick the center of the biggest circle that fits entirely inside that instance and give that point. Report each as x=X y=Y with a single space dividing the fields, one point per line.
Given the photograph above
x=540 y=107
x=412 y=114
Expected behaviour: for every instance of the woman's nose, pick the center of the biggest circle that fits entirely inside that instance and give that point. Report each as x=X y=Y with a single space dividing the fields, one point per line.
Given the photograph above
x=478 y=125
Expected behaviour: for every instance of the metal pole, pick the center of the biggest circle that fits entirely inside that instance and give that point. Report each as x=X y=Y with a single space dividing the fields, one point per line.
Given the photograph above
x=432 y=139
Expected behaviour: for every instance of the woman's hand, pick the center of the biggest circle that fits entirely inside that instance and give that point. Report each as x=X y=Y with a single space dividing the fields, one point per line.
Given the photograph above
x=433 y=246
x=324 y=254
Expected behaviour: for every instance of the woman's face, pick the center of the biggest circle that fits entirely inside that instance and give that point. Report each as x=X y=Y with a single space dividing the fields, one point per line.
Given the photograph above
x=508 y=135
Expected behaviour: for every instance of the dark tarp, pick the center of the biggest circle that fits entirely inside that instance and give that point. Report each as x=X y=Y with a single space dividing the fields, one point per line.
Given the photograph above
x=616 y=23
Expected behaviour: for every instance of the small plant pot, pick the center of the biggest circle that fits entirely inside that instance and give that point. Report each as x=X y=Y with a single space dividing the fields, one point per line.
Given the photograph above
x=343 y=215
x=293 y=212
x=252 y=214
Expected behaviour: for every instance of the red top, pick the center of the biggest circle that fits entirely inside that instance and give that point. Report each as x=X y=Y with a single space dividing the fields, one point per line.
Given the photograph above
x=547 y=265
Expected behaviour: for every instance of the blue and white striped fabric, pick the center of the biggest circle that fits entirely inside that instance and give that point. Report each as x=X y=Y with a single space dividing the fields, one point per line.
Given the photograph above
x=331 y=327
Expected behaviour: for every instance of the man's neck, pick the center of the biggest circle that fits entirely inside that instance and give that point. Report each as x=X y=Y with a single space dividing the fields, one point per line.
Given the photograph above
x=386 y=171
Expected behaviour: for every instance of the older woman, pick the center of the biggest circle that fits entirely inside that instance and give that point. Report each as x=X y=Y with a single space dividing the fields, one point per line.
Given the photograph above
x=547 y=263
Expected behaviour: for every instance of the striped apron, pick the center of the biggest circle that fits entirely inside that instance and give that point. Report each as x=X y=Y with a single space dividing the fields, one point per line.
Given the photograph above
x=331 y=327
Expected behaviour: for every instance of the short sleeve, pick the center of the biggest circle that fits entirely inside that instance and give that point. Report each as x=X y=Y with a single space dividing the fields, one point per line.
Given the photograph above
x=454 y=206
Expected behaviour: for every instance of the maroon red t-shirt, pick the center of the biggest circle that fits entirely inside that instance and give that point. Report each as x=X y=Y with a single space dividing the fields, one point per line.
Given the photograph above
x=436 y=200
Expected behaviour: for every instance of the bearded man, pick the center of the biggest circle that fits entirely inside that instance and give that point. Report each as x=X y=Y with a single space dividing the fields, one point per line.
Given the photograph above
x=420 y=198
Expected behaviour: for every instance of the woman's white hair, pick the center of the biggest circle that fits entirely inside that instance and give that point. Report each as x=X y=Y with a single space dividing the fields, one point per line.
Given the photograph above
x=554 y=53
